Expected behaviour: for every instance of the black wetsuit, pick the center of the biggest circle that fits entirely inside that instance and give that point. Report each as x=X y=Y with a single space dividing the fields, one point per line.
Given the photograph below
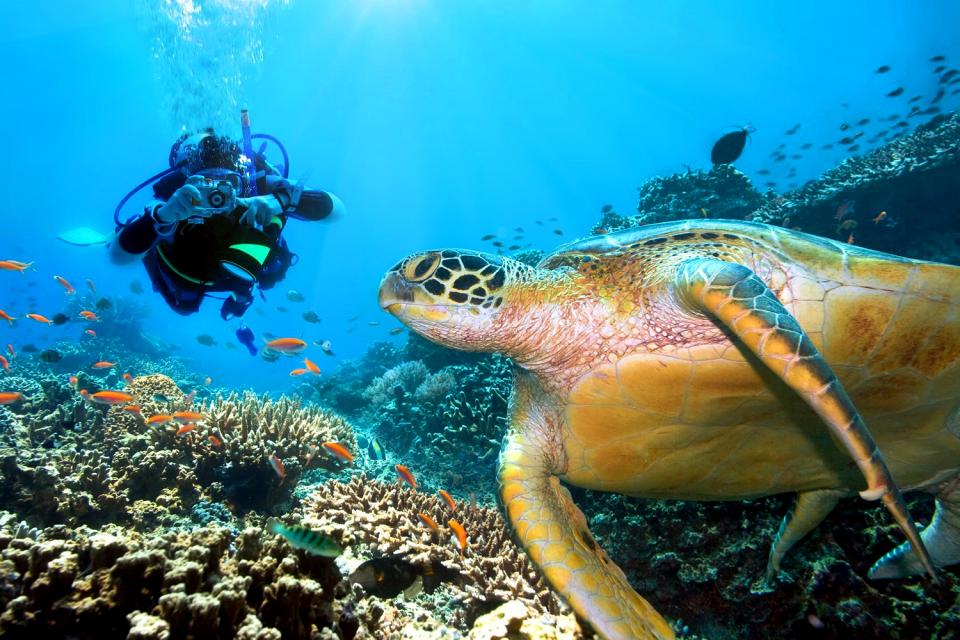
x=187 y=264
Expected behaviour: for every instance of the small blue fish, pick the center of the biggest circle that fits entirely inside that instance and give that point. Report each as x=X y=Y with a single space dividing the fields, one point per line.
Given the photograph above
x=246 y=338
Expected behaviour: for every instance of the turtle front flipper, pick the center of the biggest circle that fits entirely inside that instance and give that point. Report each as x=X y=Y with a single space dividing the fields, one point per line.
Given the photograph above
x=732 y=296
x=811 y=508
x=554 y=533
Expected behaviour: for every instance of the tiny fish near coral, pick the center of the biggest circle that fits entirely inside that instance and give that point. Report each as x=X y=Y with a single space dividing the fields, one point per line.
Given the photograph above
x=448 y=499
x=427 y=520
x=338 y=450
x=459 y=537
x=9 y=397
x=405 y=475
x=277 y=465
x=111 y=397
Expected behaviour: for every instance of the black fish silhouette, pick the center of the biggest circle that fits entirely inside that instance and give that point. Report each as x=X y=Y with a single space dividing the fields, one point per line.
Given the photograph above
x=729 y=147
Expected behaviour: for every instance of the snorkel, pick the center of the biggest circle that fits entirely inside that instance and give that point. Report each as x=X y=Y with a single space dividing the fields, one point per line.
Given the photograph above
x=248 y=151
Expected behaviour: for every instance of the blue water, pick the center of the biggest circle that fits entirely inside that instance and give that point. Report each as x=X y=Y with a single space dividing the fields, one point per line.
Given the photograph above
x=435 y=122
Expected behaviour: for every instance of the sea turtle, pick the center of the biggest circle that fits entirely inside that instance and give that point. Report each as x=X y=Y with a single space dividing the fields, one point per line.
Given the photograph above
x=706 y=360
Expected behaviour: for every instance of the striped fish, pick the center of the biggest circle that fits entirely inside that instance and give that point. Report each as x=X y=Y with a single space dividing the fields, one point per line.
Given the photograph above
x=307 y=539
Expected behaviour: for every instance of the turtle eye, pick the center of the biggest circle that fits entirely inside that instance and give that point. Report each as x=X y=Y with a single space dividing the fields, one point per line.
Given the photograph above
x=422 y=267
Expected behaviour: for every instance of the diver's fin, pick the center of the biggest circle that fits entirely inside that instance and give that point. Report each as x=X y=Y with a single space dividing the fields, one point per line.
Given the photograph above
x=555 y=535
x=733 y=296
x=941 y=537
x=809 y=511
x=84 y=237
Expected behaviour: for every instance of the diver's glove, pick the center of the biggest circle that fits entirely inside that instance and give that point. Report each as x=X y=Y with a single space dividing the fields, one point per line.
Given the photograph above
x=181 y=205
x=260 y=210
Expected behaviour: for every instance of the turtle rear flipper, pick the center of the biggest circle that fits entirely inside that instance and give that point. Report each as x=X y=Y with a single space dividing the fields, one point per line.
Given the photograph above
x=731 y=295
x=941 y=538
x=554 y=533
x=810 y=510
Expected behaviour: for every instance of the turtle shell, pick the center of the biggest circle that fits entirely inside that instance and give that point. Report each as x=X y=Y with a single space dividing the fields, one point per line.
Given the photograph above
x=675 y=409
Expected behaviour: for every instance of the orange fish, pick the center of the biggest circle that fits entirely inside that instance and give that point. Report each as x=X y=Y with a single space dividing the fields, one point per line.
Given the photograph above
x=91 y=286
x=448 y=499
x=6 y=316
x=287 y=345
x=844 y=209
x=207 y=380
x=278 y=467
x=850 y=238
x=188 y=416
x=103 y=364
x=9 y=397
x=159 y=419
x=127 y=377
x=111 y=397
x=73 y=381
x=13 y=354
x=311 y=366
x=405 y=475
x=427 y=520
x=132 y=408
x=84 y=394
x=91 y=333
x=880 y=217
x=5 y=364
x=298 y=372
x=89 y=315
x=187 y=428
x=39 y=318
x=338 y=450
x=66 y=285
x=14 y=265
x=214 y=440
x=459 y=536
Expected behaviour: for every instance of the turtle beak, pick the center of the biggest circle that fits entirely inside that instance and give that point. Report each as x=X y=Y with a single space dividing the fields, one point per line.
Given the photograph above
x=394 y=292
x=408 y=302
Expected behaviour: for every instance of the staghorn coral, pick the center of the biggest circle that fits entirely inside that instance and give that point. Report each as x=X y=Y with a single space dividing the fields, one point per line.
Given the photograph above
x=383 y=518
x=250 y=430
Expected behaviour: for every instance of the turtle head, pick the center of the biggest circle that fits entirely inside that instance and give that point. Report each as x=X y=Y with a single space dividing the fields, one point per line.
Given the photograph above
x=452 y=297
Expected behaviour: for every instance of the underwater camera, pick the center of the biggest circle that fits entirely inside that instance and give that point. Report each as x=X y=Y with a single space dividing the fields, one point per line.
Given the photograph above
x=216 y=195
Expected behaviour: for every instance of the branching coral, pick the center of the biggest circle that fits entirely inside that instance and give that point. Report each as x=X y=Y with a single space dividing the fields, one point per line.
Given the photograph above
x=383 y=517
x=248 y=431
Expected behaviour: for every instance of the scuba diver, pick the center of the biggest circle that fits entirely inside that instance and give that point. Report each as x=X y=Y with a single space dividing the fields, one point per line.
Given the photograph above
x=216 y=223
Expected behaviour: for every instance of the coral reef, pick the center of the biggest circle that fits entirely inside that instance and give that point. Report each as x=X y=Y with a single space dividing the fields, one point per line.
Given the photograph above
x=722 y=192
x=705 y=562
x=455 y=416
x=110 y=465
x=383 y=518
x=912 y=178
